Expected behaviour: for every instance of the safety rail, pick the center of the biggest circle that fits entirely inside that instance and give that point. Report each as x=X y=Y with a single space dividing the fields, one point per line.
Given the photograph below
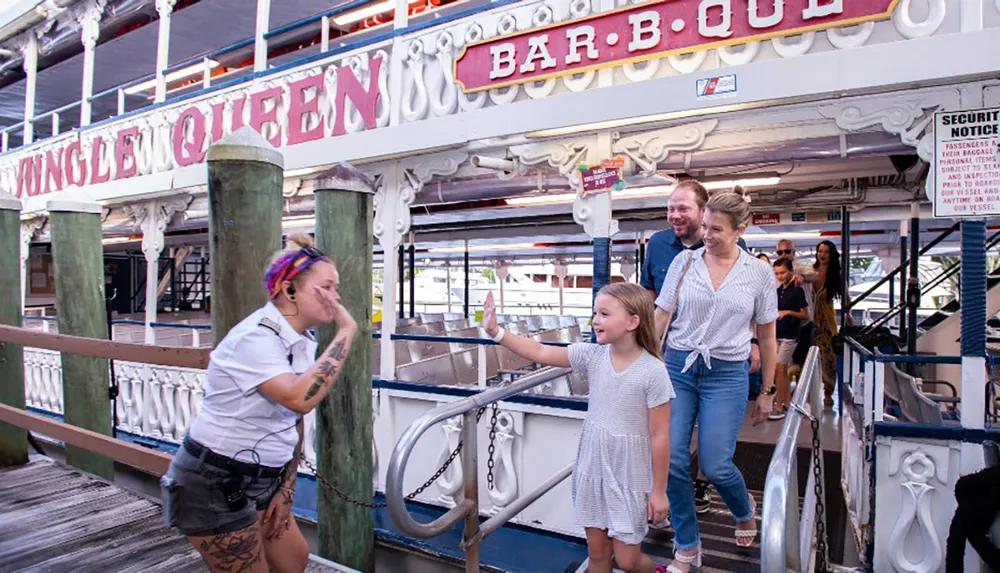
x=456 y=339
x=783 y=546
x=944 y=275
x=902 y=265
x=467 y=508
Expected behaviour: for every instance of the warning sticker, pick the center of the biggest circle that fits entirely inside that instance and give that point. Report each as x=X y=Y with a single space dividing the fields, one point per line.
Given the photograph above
x=967 y=163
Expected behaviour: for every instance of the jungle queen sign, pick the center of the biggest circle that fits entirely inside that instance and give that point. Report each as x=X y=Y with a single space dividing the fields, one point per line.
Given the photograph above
x=647 y=31
x=298 y=107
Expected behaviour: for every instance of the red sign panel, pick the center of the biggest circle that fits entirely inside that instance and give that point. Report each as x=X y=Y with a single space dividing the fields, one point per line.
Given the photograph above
x=766 y=219
x=648 y=31
x=606 y=175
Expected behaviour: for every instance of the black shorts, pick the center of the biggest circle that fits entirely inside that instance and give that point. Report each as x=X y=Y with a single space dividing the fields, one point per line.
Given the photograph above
x=194 y=498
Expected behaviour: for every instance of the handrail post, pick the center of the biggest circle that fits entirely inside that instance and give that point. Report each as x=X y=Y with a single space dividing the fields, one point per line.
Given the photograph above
x=470 y=474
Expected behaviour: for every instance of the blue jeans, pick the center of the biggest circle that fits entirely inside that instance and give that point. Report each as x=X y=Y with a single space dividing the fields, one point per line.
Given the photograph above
x=717 y=399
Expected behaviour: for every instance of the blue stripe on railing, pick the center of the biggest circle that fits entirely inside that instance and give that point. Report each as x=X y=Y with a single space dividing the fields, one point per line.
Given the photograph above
x=163 y=324
x=68 y=106
x=48 y=318
x=455 y=339
x=576 y=404
x=935 y=432
x=973 y=288
x=211 y=55
x=917 y=359
x=856 y=346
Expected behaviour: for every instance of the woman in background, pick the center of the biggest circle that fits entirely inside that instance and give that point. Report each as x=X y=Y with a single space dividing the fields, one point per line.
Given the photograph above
x=828 y=285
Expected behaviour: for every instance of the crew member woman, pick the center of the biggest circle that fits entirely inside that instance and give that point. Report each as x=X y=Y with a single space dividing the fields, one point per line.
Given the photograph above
x=229 y=489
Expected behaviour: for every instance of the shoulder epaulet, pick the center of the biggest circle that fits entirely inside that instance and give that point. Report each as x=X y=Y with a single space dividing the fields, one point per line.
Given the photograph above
x=270 y=325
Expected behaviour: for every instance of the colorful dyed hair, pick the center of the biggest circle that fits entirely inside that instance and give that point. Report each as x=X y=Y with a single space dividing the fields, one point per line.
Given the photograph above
x=291 y=263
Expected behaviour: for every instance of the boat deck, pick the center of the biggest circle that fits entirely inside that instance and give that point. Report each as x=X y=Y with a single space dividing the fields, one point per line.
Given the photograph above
x=56 y=518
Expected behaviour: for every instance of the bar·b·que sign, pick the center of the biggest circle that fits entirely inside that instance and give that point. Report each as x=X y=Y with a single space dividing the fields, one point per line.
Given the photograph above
x=648 y=31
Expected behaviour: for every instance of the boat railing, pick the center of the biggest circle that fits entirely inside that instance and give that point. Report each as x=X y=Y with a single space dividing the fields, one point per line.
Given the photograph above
x=789 y=543
x=468 y=508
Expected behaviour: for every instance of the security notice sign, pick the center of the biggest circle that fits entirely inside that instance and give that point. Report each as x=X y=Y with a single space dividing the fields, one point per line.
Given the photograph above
x=967 y=163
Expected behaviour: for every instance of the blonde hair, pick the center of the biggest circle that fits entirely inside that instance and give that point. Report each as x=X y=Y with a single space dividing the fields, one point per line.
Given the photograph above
x=293 y=244
x=732 y=204
x=635 y=299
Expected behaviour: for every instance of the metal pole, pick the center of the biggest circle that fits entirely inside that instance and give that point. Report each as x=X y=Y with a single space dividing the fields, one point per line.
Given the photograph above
x=470 y=473
x=903 y=254
x=413 y=277
x=465 y=304
x=402 y=277
x=913 y=284
x=845 y=245
x=113 y=389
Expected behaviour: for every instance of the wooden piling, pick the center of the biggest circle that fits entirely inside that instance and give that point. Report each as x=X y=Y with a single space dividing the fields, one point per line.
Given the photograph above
x=78 y=256
x=344 y=419
x=245 y=174
x=13 y=440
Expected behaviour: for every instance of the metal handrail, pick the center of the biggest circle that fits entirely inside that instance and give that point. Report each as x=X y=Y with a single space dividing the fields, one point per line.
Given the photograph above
x=468 y=508
x=783 y=547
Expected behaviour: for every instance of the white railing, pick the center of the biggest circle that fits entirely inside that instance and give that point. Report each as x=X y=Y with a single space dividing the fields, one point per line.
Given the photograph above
x=153 y=401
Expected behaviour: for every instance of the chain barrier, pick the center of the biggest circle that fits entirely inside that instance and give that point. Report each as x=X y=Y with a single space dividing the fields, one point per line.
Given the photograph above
x=492 y=447
x=444 y=467
x=821 y=550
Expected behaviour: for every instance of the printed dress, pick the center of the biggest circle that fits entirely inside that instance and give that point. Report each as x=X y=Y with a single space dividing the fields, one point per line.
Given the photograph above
x=614 y=466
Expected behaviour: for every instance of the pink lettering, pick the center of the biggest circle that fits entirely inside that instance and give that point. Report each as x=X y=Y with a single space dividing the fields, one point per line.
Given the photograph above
x=29 y=177
x=366 y=101
x=53 y=170
x=188 y=151
x=125 y=153
x=95 y=163
x=74 y=154
x=300 y=111
x=238 y=113
x=217 y=111
x=259 y=118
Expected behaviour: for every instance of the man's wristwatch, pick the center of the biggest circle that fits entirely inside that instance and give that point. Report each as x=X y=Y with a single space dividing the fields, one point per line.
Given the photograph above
x=754 y=341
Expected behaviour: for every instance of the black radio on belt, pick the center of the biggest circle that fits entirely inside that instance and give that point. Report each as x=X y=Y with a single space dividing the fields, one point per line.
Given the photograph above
x=232 y=490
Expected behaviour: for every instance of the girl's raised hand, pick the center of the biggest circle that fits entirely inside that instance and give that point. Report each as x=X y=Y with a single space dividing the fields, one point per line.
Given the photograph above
x=490 y=316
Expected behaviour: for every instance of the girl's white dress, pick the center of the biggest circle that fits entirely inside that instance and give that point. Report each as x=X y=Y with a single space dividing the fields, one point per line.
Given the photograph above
x=613 y=475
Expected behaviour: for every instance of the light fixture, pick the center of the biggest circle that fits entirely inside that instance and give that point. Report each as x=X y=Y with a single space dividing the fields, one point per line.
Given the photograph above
x=481 y=248
x=192 y=70
x=641 y=192
x=366 y=12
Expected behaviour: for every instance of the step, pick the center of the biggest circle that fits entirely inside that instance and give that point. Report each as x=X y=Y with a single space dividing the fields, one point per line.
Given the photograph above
x=719 y=551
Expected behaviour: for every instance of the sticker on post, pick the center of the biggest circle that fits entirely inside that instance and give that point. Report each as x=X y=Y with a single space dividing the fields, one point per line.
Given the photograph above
x=717 y=87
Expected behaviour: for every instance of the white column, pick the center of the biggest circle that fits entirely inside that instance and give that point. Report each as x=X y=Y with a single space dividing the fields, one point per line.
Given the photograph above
x=30 y=64
x=561 y=270
x=152 y=225
x=447 y=278
x=165 y=8
x=501 y=268
x=390 y=236
x=260 y=43
x=90 y=31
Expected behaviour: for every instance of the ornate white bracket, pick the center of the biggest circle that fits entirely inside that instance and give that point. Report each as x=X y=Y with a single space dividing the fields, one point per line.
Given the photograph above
x=397 y=186
x=917 y=507
x=910 y=117
x=649 y=148
x=510 y=427
x=152 y=218
x=563 y=154
x=450 y=482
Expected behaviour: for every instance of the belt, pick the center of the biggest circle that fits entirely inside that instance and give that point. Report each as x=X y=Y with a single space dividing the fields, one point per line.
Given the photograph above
x=235 y=466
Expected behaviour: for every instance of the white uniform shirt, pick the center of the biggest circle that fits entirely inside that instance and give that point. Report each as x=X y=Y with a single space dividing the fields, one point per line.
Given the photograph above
x=718 y=324
x=804 y=269
x=235 y=418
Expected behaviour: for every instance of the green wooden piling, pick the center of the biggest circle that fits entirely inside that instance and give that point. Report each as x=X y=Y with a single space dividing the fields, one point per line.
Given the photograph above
x=78 y=256
x=344 y=419
x=245 y=173
x=13 y=440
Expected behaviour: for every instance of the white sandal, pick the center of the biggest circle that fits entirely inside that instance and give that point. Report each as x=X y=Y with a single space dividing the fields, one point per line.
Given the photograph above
x=692 y=560
x=745 y=537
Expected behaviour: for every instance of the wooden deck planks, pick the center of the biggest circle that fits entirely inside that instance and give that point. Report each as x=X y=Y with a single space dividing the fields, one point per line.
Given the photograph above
x=54 y=518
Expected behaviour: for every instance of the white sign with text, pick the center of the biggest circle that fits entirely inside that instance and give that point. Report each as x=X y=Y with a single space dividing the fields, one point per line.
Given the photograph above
x=967 y=163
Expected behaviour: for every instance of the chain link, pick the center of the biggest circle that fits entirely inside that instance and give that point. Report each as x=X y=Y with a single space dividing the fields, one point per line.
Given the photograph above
x=492 y=447
x=444 y=467
x=821 y=551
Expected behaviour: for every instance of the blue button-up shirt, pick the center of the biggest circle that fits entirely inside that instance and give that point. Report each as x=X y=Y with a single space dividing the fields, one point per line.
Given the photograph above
x=660 y=252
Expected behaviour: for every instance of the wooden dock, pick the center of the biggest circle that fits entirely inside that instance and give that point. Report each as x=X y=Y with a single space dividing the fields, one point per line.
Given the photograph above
x=54 y=518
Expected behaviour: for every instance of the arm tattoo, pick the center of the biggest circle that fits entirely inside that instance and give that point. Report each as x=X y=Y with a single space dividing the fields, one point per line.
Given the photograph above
x=327 y=369
x=237 y=551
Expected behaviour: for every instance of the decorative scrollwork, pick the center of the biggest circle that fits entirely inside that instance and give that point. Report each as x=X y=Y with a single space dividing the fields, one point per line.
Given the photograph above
x=450 y=482
x=916 y=516
x=788 y=49
x=649 y=148
x=844 y=40
x=911 y=29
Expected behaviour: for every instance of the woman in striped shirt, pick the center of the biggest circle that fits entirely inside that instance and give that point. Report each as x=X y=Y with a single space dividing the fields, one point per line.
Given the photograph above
x=721 y=293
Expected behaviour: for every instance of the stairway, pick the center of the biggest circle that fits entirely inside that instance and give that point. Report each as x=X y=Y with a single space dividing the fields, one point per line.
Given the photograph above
x=954 y=306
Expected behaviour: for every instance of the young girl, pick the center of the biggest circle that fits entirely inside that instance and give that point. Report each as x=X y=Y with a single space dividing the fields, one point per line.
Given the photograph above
x=620 y=475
